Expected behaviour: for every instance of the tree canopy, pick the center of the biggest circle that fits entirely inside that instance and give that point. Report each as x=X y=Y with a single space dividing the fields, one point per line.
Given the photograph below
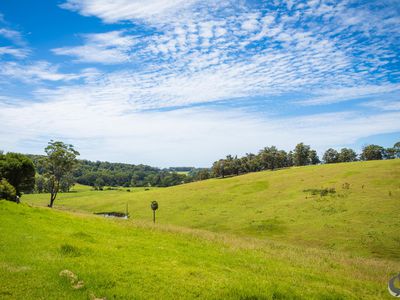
x=59 y=163
x=268 y=158
x=18 y=170
x=372 y=152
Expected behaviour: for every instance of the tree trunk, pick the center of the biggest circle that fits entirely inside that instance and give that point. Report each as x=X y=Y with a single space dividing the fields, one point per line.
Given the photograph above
x=53 y=194
x=51 y=200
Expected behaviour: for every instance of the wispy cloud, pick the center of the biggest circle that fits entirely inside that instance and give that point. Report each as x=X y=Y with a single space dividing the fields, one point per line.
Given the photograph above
x=106 y=48
x=16 y=52
x=36 y=72
x=383 y=105
x=330 y=96
x=141 y=137
x=13 y=35
x=123 y=10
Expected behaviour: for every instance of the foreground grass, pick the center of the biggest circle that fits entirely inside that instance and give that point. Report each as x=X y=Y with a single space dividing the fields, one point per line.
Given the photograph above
x=362 y=217
x=121 y=259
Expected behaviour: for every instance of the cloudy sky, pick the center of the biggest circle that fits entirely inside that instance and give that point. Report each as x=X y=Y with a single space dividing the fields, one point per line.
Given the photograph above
x=185 y=82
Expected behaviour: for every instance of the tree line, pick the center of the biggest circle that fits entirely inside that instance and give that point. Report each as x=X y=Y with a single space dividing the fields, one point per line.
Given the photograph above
x=271 y=158
x=60 y=169
x=101 y=174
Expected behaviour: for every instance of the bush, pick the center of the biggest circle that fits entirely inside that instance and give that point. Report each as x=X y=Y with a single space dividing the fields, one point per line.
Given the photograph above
x=69 y=250
x=7 y=191
x=346 y=186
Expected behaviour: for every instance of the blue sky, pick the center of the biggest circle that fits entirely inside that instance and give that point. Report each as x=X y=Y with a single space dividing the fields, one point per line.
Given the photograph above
x=185 y=82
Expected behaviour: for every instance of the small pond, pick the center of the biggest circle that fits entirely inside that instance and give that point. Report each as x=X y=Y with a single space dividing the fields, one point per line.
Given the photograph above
x=113 y=215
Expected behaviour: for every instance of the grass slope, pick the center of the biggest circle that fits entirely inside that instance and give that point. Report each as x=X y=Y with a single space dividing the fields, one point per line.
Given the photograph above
x=362 y=217
x=121 y=259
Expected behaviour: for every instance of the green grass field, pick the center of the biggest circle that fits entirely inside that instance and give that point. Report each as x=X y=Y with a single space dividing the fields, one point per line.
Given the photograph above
x=120 y=259
x=266 y=235
x=362 y=217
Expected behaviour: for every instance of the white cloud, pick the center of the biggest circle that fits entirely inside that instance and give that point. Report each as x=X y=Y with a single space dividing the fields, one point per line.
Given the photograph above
x=251 y=23
x=383 y=105
x=330 y=96
x=16 y=52
x=103 y=130
x=107 y=48
x=217 y=50
x=12 y=35
x=204 y=51
x=126 y=10
x=35 y=72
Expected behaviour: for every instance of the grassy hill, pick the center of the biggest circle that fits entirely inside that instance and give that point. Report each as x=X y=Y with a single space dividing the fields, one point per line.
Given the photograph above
x=359 y=213
x=48 y=254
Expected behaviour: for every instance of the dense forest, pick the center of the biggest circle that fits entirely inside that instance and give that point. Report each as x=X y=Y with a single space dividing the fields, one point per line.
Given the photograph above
x=100 y=174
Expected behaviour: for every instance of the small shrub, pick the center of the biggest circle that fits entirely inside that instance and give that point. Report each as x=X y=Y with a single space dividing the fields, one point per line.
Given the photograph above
x=69 y=250
x=128 y=190
x=321 y=192
x=346 y=186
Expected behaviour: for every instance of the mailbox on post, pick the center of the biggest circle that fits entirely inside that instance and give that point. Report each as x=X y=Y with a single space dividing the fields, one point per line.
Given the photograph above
x=154 y=207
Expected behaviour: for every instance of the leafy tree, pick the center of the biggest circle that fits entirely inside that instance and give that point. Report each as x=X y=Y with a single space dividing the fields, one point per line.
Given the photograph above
x=289 y=159
x=19 y=171
x=135 y=180
x=40 y=183
x=282 y=159
x=7 y=191
x=60 y=161
x=347 y=155
x=268 y=158
x=390 y=153
x=170 y=179
x=250 y=163
x=314 y=159
x=218 y=168
x=228 y=165
x=301 y=155
x=67 y=183
x=203 y=175
x=372 y=152
x=397 y=149
x=99 y=184
x=236 y=166
x=271 y=158
x=331 y=156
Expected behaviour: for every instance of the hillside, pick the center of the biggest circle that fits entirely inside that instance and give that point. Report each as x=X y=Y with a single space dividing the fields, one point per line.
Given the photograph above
x=120 y=259
x=361 y=217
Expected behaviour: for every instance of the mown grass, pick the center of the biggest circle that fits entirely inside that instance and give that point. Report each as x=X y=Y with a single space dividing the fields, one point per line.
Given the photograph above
x=120 y=259
x=361 y=216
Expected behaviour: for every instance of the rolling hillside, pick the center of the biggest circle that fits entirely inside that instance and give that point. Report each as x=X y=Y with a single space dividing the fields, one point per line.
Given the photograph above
x=351 y=207
x=48 y=254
